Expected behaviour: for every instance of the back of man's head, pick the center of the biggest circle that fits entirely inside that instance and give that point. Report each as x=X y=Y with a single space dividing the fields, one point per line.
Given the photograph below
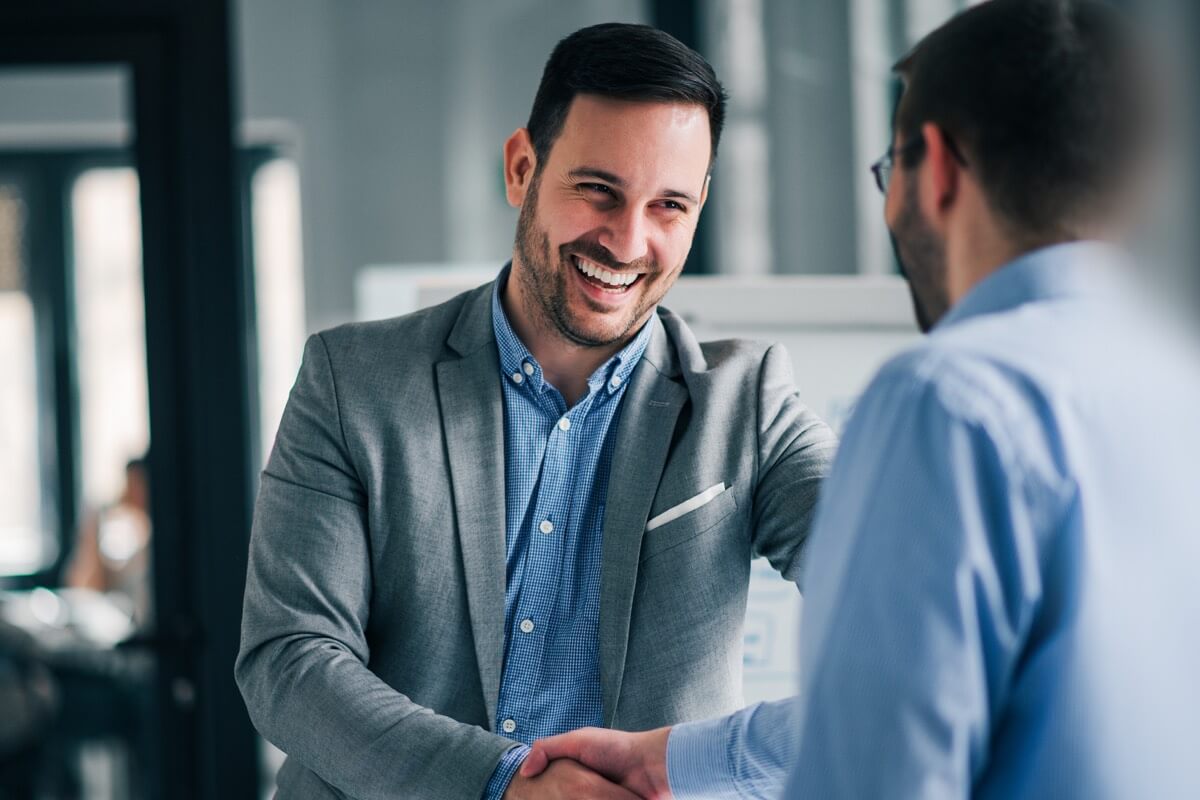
x=623 y=62
x=1049 y=102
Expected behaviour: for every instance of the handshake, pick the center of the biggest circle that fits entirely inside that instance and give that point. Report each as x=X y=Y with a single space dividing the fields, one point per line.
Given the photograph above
x=595 y=763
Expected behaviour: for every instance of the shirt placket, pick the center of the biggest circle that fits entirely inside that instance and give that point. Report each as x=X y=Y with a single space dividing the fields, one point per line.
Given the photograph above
x=533 y=622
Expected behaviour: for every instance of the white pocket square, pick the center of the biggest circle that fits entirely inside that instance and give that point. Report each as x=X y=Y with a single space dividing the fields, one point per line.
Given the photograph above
x=687 y=506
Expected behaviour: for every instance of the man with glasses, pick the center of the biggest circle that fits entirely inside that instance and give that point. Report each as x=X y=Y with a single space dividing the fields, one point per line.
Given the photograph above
x=1001 y=598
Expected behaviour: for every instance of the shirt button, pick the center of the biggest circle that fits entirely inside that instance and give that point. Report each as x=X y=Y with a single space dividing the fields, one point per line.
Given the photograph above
x=528 y=368
x=564 y=424
x=546 y=527
x=526 y=626
x=616 y=381
x=517 y=377
x=508 y=725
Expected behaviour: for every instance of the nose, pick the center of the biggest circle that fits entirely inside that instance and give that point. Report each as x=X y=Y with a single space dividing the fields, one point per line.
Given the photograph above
x=625 y=235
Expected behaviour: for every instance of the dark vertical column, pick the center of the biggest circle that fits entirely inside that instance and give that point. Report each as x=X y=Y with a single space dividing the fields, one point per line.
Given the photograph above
x=172 y=461
x=682 y=19
x=207 y=307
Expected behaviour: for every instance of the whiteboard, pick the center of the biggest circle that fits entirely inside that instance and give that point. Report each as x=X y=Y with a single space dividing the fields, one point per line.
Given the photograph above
x=838 y=331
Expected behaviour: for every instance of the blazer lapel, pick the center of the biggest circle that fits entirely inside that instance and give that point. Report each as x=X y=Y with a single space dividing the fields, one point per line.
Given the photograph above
x=652 y=404
x=473 y=423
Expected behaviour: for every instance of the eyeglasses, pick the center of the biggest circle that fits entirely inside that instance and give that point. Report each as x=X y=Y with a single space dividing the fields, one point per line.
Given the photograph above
x=882 y=169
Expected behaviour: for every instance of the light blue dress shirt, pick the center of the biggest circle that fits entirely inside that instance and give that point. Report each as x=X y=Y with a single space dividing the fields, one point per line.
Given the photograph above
x=1002 y=596
x=556 y=467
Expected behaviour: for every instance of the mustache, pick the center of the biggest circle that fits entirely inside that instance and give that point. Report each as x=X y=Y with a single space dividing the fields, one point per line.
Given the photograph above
x=598 y=254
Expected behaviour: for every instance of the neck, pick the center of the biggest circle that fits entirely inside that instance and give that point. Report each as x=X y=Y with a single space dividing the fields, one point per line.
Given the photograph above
x=567 y=365
x=982 y=245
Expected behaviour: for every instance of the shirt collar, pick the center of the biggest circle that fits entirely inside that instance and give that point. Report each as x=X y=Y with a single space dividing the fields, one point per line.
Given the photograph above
x=1062 y=270
x=515 y=358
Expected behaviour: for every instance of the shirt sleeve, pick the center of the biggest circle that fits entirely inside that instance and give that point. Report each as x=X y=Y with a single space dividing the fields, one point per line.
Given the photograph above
x=510 y=762
x=744 y=755
x=920 y=589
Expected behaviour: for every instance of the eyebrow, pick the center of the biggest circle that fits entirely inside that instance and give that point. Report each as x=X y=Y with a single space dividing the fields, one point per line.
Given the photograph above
x=608 y=177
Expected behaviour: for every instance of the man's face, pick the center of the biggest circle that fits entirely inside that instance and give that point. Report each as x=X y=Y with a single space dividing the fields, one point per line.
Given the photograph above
x=608 y=219
x=920 y=252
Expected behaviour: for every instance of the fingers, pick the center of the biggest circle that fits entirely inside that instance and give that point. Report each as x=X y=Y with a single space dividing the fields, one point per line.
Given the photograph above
x=535 y=762
x=565 y=745
x=567 y=780
x=594 y=786
x=611 y=791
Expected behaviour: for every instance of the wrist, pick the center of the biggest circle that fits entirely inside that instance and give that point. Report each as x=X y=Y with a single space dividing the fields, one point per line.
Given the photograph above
x=654 y=762
x=505 y=774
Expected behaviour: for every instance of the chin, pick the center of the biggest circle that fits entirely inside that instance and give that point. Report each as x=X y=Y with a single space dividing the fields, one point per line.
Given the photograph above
x=597 y=333
x=595 y=337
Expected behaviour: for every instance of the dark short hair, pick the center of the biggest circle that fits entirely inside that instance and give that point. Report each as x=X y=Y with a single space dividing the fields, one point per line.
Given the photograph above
x=624 y=62
x=1047 y=99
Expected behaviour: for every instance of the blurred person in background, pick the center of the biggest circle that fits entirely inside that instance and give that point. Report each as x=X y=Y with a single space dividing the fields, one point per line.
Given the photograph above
x=534 y=507
x=112 y=553
x=1000 y=596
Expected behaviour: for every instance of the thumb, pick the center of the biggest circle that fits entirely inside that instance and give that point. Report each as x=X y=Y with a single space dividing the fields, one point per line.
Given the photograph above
x=564 y=745
x=535 y=762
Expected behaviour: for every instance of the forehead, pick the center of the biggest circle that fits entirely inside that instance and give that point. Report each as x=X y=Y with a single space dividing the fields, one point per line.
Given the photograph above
x=642 y=142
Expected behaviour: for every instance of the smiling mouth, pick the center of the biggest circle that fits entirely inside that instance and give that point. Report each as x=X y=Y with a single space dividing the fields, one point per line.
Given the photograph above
x=605 y=279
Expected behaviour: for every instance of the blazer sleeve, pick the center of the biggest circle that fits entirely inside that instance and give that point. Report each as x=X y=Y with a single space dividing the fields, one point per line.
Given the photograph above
x=302 y=666
x=795 y=454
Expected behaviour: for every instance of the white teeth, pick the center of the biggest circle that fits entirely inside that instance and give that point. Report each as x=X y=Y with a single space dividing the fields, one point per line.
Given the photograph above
x=615 y=279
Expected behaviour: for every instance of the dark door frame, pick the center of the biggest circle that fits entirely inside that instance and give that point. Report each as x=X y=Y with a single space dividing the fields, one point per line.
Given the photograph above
x=198 y=355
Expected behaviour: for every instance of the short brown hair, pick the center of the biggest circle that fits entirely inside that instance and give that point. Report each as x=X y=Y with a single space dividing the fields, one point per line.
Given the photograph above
x=1047 y=99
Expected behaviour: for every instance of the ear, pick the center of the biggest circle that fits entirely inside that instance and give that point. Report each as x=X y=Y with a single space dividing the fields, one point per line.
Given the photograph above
x=520 y=162
x=942 y=181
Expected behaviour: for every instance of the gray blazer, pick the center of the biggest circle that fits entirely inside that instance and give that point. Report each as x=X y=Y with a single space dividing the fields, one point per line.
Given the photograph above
x=373 y=632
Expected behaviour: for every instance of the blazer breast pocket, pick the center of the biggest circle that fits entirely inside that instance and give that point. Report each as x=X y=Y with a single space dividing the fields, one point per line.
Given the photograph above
x=671 y=528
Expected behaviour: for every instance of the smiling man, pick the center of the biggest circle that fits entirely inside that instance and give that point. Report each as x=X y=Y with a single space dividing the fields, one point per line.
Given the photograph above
x=533 y=508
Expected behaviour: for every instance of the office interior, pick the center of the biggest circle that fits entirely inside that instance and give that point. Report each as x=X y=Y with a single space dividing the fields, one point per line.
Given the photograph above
x=189 y=189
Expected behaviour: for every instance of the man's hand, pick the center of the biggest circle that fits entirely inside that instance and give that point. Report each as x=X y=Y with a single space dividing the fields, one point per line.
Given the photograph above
x=637 y=761
x=566 y=780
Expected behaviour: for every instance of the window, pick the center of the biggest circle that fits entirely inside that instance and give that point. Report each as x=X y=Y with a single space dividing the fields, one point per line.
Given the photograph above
x=73 y=399
x=810 y=102
x=278 y=287
x=23 y=516
x=110 y=328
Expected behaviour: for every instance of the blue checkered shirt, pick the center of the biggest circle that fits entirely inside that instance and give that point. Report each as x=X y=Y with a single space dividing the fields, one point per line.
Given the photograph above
x=556 y=465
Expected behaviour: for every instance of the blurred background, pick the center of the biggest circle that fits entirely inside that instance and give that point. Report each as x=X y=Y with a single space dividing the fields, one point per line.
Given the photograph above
x=188 y=189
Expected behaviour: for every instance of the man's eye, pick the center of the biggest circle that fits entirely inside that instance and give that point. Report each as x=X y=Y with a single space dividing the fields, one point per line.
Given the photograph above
x=598 y=188
x=671 y=204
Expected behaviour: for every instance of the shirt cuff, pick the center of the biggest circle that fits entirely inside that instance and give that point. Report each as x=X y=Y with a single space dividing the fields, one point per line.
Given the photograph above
x=698 y=763
x=510 y=762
